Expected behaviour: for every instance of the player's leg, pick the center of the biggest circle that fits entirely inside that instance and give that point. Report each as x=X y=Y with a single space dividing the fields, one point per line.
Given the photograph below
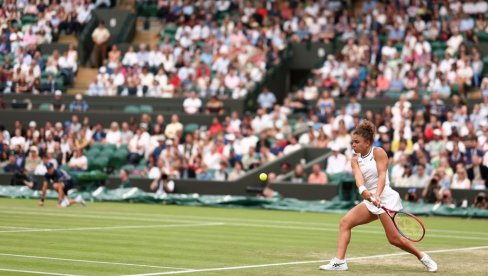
x=43 y=193
x=59 y=188
x=356 y=216
x=68 y=185
x=395 y=238
x=401 y=242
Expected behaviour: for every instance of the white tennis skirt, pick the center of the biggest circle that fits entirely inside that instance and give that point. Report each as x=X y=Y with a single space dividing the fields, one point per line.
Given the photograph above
x=390 y=199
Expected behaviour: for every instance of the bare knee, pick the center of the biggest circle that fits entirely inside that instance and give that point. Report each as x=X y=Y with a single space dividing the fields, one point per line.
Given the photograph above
x=395 y=240
x=345 y=224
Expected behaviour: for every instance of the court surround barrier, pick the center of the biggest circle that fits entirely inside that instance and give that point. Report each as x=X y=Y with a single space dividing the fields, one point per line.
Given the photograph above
x=277 y=203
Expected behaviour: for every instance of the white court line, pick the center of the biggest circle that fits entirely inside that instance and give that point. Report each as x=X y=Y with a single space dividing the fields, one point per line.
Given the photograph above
x=140 y=217
x=302 y=262
x=267 y=224
x=35 y=272
x=14 y=227
x=89 y=261
x=111 y=227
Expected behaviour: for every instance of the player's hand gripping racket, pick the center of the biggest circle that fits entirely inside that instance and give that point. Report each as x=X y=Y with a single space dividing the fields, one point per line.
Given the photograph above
x=407 y=224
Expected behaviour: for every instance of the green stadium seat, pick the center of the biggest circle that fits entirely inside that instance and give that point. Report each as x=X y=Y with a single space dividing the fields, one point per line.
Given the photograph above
x=45 y=107
x=99 y=163
x=132 y=109
x=482 y=36
x=145 y=108
x=190 y=128
x=393 y=94
x=128 y=167
x=118 y=159
x=123 y=147
x=143 y=161
x=110 y=146
x=141 y=168
x=29 y=19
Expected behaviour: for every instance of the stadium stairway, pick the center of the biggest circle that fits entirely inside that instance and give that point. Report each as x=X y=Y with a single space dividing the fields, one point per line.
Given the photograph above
x=82 y=81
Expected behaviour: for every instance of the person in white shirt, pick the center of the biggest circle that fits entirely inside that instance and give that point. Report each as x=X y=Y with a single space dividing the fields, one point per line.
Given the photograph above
x=454 y=42
x=113 y=135
x=18 y=139
x=163 y=185
x=370 y=170
x=146 y=79
x=173 y=127
x=138 y=143
x=192 y=104
x=130 y=57
x=155 y=171
x=100 y=37
x=337 y=162
x=78 y=162
x=292 y=146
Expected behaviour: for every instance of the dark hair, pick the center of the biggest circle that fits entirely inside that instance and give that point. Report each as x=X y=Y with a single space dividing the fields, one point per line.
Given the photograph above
x=366 y=129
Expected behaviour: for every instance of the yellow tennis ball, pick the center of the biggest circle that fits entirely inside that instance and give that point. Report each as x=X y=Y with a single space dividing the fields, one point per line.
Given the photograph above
x=263 y=177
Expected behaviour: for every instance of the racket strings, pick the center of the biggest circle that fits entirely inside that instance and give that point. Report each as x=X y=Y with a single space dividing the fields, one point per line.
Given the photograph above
x=409 y=226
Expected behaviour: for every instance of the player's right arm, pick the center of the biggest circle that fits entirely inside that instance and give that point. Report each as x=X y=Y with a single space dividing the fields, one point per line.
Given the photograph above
x=359 y=178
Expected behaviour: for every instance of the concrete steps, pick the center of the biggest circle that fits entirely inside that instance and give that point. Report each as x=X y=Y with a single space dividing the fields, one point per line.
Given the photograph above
x=83 y=79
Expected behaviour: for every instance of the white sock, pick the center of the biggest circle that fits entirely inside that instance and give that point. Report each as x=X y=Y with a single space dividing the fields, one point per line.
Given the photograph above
x=65 y=202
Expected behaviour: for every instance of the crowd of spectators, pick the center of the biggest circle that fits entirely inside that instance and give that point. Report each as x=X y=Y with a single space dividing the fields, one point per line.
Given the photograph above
x=395 y=47
x=218 y=48
x=24 y=25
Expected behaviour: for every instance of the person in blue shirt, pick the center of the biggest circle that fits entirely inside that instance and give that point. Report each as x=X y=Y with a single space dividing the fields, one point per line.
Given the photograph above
x=61 y=182
x=78 y=105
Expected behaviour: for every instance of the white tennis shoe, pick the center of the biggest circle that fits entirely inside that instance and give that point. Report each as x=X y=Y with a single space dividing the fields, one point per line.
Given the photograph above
x=335 y=264
x=429 y=263
x=80 y=200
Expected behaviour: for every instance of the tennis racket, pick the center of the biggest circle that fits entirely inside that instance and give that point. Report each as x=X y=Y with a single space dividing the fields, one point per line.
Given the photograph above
x=407 y=224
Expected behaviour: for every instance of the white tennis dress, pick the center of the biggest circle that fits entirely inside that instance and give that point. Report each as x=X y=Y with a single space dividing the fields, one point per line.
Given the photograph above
x=389 y=198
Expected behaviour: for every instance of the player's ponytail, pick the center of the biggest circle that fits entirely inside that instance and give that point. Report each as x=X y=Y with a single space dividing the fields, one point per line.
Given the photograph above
x=366 y=129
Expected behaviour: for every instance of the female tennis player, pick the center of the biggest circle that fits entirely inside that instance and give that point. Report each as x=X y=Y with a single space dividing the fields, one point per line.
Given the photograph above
x=369 y=166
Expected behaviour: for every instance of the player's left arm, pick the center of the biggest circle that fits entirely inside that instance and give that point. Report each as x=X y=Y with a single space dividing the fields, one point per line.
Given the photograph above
x=381 y=165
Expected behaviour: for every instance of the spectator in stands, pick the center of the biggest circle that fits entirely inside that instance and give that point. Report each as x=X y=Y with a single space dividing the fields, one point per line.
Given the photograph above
x=163 y=185
x=99 y=134
x=237 y=172
x=57 y=103
x=32 y=160
x=114 y=136
x=204 y=173
x=337 y=162
x=420 y=176
x=124 y=179
x=460 y=179
x=266 y=99
x=49 y=86
x=173 y=128
x=221 y=174
x=192 y=104
x=137 y=144
x=481 y=201
x=78 y=105
x=78 y=161
x=317 y=176
x=298 y=175
x=125 y=133
x=12 y=165
x=100 y=37
x=215 y=106
x=292 y=146
x=478 y=173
